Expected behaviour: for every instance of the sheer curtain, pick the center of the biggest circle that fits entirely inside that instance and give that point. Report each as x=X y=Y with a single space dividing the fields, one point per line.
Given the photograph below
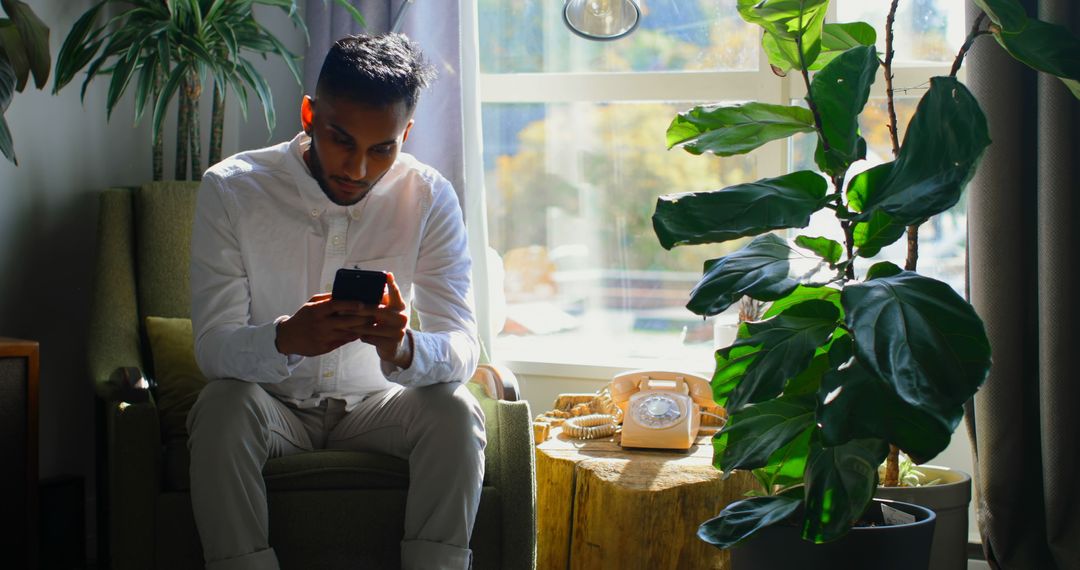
x=1024 y=237
x=446 y=134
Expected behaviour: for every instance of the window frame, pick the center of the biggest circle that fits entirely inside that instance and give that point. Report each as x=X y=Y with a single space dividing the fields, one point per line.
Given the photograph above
x=667 y=86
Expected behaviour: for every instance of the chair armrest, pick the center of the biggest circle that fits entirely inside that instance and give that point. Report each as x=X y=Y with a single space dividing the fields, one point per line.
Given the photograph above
x=516 y=482
x=509 y=461
x=133 y=455
x=499 y=382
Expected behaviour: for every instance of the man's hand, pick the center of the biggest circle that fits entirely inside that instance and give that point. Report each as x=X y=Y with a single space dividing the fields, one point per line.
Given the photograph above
x=384 y=326
x=314 y=329
x=323 y=324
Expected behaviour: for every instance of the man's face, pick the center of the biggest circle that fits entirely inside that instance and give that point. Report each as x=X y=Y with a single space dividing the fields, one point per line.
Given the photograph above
x=352 y=144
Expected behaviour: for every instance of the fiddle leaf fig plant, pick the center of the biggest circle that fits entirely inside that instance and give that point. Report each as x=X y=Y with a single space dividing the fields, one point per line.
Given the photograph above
x=847 y=361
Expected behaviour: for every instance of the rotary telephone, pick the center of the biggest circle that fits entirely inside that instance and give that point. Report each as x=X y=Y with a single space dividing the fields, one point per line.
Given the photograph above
x=660 y=409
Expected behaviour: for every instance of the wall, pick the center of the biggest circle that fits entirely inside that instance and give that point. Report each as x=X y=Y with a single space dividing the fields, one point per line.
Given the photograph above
x=48 y=214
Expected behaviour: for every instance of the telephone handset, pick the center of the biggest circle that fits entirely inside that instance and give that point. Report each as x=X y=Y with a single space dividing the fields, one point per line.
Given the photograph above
x=660 y=409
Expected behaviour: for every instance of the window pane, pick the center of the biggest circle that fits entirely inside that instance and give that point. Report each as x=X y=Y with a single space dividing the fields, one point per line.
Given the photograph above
x=942 y=239
x=529 y=36
x=571 y=192
x=926 y=30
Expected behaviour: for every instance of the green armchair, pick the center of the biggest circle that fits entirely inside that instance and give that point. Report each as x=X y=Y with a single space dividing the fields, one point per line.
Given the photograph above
x=328 y=509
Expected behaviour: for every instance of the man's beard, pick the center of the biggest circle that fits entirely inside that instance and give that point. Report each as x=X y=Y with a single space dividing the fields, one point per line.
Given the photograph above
x=319 y=174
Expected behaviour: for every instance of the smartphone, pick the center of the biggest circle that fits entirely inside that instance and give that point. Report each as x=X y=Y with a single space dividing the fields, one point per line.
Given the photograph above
x=359 y=285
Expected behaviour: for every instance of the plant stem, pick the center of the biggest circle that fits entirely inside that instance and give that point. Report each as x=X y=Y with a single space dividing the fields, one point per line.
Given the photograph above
x=196 y=142
x=217 y=125
x=158 y=149
x=809 y=97
x=183 y=115
x=974 y=33
x=892 y=462
x=889 y=53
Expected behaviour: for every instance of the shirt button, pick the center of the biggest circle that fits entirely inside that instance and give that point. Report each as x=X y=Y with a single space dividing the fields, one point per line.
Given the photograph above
x=314 y=213
x=336 y=240
x=327 y=374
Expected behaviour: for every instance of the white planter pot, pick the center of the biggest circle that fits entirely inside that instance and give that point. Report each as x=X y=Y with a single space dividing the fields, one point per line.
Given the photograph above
x=949 y=499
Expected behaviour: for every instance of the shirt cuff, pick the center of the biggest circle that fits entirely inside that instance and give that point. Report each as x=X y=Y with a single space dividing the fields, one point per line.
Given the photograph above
x=276 y=364
x=419 y=371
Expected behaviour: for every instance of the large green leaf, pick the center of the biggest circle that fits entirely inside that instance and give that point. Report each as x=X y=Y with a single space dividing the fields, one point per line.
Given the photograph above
x=801 y=294
x=786 y=466
x=876 y=233
x=786 y=23
x=262 y=89
x=855 y=404
x=731 y=366
x=759 y=269
x=75 y=53
x=921 y=338
x=11 y=48
x=1008 y=14
x=7 y=145
x=1046 y=47
x=941 y=150
x=121 y=76
x=35 y=39
x=8 y=81
x=840 y=482
x=165 y=96
x=879 y=230
x=840 y=91
x=838 y=38
x=741 y=519
x=736 y=129
x=752 y=435
x=144 y=88
x=7 y=91
x=738 y=211
x=825 y=248
x=289 y=57
x=785 y=345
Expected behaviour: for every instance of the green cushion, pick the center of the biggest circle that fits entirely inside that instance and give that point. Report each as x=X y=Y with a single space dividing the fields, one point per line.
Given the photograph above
x=179 y=380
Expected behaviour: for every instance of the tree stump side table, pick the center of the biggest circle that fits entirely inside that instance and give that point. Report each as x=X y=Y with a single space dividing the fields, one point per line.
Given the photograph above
x=602 y=506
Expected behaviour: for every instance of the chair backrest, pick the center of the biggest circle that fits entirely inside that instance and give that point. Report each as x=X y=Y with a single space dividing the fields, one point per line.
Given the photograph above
x=163 y=215
x=144 y=237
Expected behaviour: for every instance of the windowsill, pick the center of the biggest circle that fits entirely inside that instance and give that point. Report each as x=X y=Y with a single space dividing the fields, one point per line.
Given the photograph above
x=590 y=371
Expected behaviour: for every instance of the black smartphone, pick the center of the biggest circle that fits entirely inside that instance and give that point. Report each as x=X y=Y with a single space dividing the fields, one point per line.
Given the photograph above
x=359 y=285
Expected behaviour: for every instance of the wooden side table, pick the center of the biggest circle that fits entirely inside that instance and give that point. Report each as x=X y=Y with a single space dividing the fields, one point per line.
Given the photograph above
x=602 y=506
x=19 y=447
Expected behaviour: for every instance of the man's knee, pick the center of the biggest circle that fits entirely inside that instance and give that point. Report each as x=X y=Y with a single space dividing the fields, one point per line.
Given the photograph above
x=451 y=408
x=226 y=410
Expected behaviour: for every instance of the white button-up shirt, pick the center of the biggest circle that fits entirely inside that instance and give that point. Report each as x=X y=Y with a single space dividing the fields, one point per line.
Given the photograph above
x=266 y=239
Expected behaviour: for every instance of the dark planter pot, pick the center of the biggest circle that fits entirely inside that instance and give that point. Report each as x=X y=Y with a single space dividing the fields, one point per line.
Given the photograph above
x=893 y=547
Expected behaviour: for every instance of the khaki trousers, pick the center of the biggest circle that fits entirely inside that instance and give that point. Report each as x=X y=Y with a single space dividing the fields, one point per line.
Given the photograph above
x=236 y=426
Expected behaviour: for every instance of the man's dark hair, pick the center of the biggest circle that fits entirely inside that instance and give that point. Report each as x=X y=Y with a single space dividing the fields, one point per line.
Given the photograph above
x=375 y=70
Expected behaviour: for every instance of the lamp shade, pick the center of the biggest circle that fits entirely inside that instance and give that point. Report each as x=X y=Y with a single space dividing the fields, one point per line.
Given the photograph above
x=602 y=19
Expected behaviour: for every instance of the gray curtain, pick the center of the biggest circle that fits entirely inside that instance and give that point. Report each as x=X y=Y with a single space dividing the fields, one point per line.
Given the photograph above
x=1024 y=237
x=436 y=137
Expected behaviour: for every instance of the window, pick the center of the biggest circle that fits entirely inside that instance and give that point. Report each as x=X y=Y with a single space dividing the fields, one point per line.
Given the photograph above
x=574 y=159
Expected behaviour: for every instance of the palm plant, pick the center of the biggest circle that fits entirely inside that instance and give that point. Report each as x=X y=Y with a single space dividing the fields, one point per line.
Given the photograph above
x=24 y=49
x=168 y=48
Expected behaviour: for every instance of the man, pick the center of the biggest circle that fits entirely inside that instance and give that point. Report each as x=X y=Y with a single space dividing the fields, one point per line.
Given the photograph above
x=293 y=370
